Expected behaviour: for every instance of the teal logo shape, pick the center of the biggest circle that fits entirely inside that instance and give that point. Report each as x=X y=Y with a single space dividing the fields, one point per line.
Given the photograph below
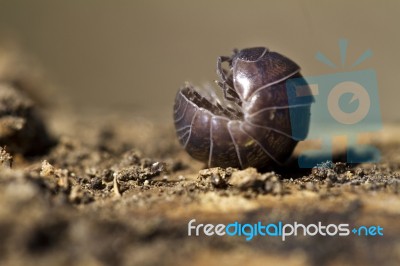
x=345 y=104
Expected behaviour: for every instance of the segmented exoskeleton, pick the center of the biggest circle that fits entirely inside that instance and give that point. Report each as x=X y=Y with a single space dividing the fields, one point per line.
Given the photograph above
x=251 y=126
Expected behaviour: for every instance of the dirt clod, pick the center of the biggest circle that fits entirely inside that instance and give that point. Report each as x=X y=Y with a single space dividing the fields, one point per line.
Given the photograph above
x=5 y=158
x=22 y=129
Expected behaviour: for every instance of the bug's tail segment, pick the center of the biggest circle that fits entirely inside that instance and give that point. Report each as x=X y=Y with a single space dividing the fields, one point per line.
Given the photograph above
x=183 y=115
x=201 y=127
x=300 y=97
x=199 y=144
x=274 y=144
x=192 y=124
x=249 y=152
x=274 y=119
x=223 y=151
x=268 y=108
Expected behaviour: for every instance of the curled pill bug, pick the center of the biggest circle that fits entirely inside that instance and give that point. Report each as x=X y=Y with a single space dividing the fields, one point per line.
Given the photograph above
x=251 y=125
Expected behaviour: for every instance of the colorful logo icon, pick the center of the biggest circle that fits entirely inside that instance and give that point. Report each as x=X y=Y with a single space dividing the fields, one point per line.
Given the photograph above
x=345 y=104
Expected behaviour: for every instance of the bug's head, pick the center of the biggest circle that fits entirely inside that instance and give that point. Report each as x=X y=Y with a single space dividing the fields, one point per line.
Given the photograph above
x=251 y=54
x=257 y=67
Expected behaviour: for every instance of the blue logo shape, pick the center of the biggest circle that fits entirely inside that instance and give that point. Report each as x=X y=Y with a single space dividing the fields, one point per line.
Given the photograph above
x=346 y=103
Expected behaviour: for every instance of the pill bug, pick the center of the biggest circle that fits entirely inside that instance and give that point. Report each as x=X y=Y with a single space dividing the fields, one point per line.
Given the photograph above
x=251 y=125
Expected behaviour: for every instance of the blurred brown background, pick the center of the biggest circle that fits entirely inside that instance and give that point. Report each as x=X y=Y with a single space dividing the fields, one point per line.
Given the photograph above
x=134 y=55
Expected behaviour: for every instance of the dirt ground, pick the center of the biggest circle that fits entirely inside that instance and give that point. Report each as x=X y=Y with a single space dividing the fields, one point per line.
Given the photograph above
x=108 y=188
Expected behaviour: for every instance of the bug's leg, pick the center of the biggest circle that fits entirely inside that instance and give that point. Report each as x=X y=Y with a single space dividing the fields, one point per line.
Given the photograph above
x=220 y=71
x=229 y=93
x=226 y=82
x=225 y=89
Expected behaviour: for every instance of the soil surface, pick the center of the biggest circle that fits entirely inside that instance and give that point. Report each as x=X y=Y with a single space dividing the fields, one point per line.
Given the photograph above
x=115 y=189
